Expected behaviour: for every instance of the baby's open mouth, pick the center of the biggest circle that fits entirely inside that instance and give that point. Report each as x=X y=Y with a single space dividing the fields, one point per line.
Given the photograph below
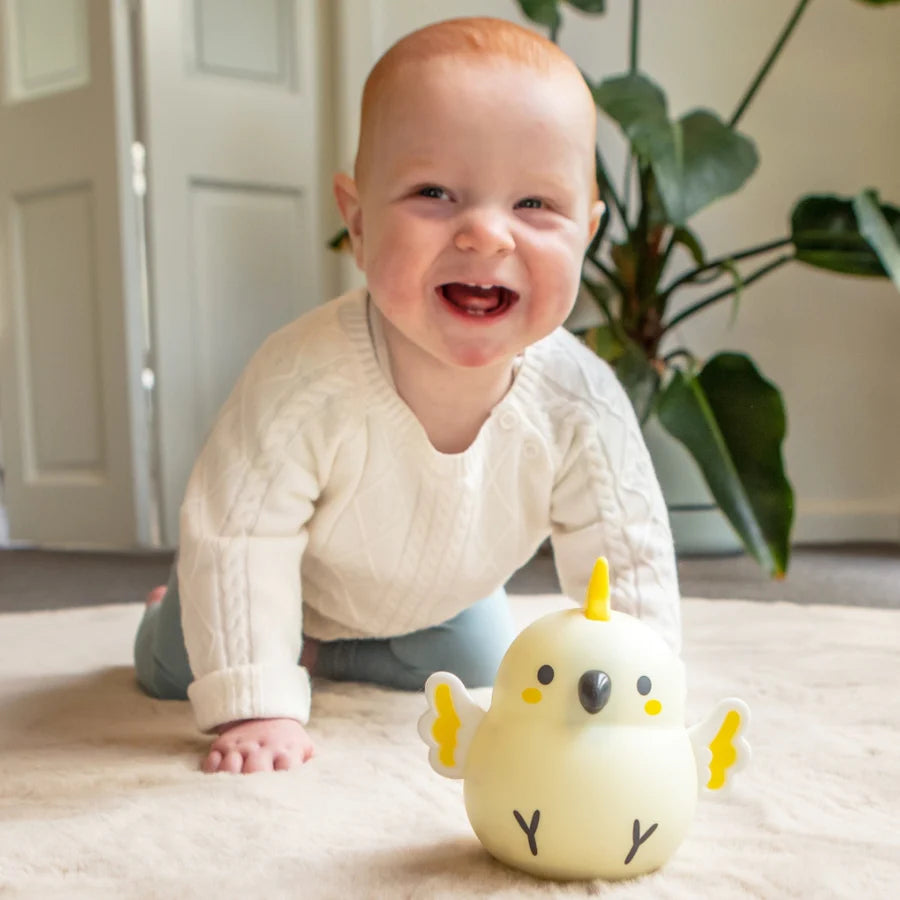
x=479 y=300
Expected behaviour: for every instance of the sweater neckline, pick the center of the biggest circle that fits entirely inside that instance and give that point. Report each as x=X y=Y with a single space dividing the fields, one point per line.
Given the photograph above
x=367 y=341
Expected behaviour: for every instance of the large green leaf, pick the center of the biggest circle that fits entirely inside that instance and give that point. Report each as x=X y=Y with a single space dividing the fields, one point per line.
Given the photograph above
x=825 y=232
x=696 y=160
x=544 y=12
x=633 y=101
x=732 y=422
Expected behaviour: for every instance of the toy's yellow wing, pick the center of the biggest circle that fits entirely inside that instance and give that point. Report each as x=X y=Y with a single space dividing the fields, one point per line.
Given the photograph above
x=449 y=724
x=719 y=745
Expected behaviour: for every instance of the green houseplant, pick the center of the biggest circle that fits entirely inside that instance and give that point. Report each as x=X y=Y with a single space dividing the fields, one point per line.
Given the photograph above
x=728 y=416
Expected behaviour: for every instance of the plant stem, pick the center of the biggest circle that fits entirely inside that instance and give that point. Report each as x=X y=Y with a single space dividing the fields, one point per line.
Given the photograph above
x=670 y=244
x=600 y=300
x=610 y=275
x=632 y=68
x=635 y=28
x=773 y=55
x=626 y=191
x=702 y=304
x=681 y=351
x=639 y=239
x=720 y=261
x=607 y=184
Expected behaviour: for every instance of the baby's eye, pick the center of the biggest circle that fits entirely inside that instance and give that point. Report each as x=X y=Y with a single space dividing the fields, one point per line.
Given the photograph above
x=432 y=191
x=545 y=674
x=531 y=203
x=643 y=685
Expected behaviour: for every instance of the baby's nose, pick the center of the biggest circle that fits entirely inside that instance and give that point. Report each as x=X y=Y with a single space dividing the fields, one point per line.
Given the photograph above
x=486 y=232
x=593 y=690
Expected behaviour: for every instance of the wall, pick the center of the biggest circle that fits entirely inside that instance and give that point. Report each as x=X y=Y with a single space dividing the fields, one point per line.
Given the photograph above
x=827 y=119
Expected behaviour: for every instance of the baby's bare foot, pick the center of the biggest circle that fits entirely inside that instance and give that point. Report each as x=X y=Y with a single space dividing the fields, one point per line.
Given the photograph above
x=310 y=654
x=155 y=596
x=259 y=745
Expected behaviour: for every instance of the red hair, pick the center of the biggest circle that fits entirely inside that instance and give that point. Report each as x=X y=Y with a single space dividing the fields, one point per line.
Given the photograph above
x=485 y=40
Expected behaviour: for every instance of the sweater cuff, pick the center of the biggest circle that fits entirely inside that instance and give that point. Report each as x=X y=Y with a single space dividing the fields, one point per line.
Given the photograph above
x=250 y=692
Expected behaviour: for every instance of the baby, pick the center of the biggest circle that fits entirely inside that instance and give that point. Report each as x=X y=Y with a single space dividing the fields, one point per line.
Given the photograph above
x=387 y=461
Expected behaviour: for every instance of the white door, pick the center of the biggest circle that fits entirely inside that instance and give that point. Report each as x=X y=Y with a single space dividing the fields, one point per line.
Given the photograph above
x=65 y=380
x=234 y=164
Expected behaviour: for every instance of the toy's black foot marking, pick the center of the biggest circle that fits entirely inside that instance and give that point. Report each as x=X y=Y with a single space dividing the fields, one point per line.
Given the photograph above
x=531 y=830
x=637 y=839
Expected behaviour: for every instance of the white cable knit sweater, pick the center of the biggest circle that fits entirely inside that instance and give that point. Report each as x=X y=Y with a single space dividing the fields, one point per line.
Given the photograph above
x=319 y=506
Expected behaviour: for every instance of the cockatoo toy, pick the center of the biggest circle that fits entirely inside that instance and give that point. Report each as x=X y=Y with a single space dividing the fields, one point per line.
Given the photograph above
x=583 y=767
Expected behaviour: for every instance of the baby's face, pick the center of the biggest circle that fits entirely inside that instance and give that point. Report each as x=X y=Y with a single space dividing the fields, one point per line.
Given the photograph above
x=477 y=177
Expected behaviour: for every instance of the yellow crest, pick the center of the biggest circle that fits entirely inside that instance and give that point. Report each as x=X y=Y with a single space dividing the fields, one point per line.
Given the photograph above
x=597 y=605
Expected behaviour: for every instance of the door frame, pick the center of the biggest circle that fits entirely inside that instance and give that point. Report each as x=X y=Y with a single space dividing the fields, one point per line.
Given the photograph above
x=137 y=299
x=139 y=530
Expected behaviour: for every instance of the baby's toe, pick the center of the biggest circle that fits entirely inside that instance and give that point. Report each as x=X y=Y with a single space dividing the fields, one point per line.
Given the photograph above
x=233 y=762
x=304 y=749
x=212 y=762
x=259 y=760
x=282 y=761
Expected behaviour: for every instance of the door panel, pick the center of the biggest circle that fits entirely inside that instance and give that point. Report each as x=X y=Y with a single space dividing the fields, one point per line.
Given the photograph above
x=58 y=341
x=248 y=279
x=64 y=407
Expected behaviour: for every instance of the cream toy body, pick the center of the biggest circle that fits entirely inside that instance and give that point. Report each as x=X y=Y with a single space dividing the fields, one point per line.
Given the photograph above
x=583 y=767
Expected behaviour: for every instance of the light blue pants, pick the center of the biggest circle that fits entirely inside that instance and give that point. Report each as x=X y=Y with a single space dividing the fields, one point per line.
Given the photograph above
x=470 y=645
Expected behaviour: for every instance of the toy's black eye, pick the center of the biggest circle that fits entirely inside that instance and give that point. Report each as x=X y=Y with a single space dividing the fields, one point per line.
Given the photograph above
x=644 y=685
x=545 y=674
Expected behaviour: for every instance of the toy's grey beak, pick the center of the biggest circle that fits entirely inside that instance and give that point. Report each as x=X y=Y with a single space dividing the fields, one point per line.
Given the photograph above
x=593 y=690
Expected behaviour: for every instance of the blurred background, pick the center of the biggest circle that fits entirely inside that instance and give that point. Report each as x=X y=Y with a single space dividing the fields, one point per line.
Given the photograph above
x=165 y=203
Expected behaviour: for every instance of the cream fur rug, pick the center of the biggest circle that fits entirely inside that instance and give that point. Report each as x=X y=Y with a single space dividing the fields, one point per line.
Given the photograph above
x=100 y=795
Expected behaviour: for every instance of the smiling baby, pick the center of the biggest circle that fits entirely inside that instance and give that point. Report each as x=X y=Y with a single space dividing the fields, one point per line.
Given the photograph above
x=386 y=462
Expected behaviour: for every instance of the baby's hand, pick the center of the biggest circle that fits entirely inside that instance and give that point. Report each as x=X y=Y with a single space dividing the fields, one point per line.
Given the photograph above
x=258 y=745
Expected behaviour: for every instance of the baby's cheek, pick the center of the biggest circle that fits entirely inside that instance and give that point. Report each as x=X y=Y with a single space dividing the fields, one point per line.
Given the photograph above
x=384 y=276
x=554 y=303
x=557 y=264
x=393 y=264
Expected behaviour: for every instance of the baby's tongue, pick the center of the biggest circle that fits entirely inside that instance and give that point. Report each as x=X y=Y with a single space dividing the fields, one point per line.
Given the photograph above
x=473 y=298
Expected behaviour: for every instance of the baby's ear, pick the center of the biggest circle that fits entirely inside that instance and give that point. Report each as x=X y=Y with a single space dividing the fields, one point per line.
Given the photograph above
x=347 y=197
x=597 y=211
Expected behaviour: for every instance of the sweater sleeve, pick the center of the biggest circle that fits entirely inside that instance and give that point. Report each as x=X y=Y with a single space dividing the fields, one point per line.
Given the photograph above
x=607 y=502
x=243 y=531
